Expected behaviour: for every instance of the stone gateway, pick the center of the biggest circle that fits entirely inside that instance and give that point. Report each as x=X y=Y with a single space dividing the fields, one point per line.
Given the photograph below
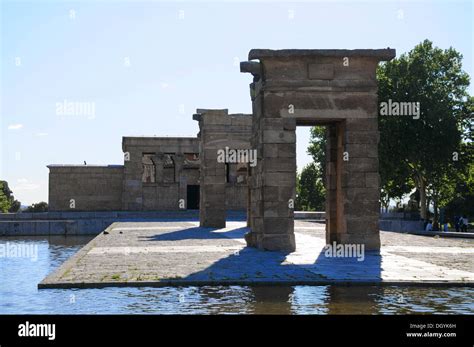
x=335 y=88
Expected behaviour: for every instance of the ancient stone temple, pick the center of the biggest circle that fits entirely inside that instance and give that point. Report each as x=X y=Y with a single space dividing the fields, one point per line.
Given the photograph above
x=335 y=88
x=159 y=173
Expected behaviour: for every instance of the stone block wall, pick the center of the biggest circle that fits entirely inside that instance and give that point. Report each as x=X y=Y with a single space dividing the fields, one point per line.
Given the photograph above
x=273 y=181
x=87 y=188
x=236 y=196
x=158 y=197
x=360 y=183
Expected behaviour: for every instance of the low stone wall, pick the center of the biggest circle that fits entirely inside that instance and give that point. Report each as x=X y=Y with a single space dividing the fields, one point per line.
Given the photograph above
x=53 y=227
x=400 y=221
x=400 y=215
x=317 y=215
x=400 y=225
x=88 y=223
x=84 y=223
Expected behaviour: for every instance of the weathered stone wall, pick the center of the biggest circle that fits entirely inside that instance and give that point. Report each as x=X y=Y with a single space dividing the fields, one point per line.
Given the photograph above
x=92 y=188
x=273 y=181
x=160 y=197
x=360 y=183
x=236 y=196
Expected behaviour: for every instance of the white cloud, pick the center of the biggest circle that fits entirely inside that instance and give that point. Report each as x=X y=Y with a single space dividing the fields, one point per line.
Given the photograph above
x=23 y=184
x=15 y=126
x=26 y=186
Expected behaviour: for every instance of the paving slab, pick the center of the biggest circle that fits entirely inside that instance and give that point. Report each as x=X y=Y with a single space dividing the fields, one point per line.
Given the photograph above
x=182 y=253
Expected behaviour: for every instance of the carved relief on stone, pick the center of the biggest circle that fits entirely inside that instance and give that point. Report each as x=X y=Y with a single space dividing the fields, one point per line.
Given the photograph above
x=149 y=168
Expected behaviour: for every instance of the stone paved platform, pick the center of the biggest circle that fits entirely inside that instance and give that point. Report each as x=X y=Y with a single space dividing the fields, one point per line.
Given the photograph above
x=182 y=253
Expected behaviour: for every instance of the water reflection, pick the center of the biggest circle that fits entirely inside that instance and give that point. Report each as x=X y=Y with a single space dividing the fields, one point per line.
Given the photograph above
x=310 y=300
x=19 y=294
x=272 y=300
x=354 y=299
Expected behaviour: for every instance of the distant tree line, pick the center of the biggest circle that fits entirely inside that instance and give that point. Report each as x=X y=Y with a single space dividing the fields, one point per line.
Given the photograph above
x=8 y=203
x=38 y=207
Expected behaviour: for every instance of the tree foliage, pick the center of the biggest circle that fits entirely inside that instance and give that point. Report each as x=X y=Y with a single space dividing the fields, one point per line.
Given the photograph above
x=310 y=189
x=7 y=200
x=317 y=150
x=38 y=207
x=420 y=152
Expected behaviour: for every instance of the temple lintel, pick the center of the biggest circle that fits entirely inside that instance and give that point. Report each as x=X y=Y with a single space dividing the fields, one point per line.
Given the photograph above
x=381 y=54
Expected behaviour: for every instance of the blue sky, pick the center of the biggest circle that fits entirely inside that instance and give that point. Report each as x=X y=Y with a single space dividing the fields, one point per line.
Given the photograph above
x=146 y=66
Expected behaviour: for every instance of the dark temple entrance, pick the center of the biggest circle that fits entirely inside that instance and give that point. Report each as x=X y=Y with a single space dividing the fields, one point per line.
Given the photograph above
x=192 y=197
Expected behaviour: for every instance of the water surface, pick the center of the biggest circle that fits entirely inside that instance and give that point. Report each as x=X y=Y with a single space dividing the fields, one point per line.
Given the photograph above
x=19 y=277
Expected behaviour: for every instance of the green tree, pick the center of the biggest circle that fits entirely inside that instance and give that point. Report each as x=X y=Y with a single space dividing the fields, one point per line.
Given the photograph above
x=463 y=201
x=39 y=207
x=310 y=189
x=395 y=181
x=422 y=149
x=317 y=150
x=7 y=200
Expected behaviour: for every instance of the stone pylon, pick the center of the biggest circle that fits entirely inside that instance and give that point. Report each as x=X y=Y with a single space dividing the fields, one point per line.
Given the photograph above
x=218 y=130
x=334 y=88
